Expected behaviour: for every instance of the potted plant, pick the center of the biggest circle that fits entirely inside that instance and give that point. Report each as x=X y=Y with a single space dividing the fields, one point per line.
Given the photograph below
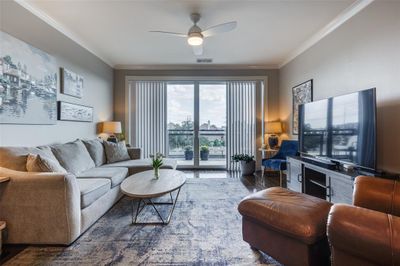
x=156 y=162
x=188 y=153
x=247 y=163
x=204 y=152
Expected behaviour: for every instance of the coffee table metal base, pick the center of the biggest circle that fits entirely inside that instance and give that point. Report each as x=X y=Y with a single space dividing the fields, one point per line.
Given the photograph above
x=149 y=202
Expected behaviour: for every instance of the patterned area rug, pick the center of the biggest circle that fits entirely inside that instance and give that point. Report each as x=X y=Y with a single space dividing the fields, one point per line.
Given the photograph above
x=205 y=229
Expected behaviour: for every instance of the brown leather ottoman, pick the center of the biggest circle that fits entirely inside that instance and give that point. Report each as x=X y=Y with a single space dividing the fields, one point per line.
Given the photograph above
x=287 y=225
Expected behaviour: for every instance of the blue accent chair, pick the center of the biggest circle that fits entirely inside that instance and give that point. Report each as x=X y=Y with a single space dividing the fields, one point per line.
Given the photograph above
x=278 y=161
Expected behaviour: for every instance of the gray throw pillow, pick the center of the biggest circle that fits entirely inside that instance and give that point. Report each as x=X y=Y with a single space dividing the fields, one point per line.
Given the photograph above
x=116 y=152
x=73 y=156
x=96 y=150
x=38 y=163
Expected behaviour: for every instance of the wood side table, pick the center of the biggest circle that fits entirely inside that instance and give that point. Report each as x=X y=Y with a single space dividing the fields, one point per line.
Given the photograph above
x=2 y=223
x=267 y=153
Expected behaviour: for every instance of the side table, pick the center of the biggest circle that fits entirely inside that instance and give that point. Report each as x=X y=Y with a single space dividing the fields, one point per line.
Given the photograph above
x=2 y=223
x=268 y=153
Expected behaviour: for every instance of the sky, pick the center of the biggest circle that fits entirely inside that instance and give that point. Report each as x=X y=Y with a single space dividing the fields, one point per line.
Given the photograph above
x=180 y=103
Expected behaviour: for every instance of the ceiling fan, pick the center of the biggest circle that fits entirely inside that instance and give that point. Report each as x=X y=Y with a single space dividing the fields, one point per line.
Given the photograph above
x=196 y=35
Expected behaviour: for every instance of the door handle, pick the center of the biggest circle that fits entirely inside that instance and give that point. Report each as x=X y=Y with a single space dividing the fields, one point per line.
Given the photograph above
x=300 y=178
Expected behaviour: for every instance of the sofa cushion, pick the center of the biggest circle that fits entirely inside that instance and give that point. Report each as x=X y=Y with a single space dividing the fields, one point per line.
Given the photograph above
x=136 y=166
x=15 y=157
x=116 y=152
x=73 y=156
x=38 y=163
x=92 y=189
x=115 y=174
x=96 y=150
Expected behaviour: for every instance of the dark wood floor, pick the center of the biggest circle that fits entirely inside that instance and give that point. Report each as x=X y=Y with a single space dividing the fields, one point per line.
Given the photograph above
x=253 y=183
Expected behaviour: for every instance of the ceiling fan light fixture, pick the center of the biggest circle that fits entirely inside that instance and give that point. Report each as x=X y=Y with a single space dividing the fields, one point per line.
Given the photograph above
x=195 y=39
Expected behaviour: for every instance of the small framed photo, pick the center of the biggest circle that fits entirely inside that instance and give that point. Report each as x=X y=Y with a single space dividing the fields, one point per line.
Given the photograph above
x=71 y=83
x=302 y=93
x=74 y=112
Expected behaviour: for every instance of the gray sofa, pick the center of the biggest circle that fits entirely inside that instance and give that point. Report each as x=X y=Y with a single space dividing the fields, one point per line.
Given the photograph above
x=56 y=208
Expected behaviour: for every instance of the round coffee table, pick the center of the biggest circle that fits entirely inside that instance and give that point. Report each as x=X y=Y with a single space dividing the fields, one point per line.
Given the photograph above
x=144 y=187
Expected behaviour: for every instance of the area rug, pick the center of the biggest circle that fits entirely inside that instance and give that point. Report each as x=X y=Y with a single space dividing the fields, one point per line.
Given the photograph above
x=205 y=229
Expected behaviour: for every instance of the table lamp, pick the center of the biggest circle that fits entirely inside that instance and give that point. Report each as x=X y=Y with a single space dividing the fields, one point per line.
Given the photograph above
x=112 y=128
x=273 y=128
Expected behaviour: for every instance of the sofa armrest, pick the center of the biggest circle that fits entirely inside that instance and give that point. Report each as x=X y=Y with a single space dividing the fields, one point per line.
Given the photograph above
x=134 y=153
x=40 y=208
x=361 y=234
x=377 y=194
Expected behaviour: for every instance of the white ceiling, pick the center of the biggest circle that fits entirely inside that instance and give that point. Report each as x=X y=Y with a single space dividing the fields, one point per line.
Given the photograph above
x=117 y=31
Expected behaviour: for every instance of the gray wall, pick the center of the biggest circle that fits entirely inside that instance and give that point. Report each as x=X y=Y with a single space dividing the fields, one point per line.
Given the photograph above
x=98 y=79
x=362 y=53
x=120 y=74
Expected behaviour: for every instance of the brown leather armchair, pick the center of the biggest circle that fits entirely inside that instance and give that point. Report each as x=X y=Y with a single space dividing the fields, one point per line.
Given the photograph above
x=367 y=233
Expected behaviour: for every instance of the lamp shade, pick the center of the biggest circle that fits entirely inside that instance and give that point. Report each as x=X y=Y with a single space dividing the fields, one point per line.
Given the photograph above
x=112 y=127
x=274 y=127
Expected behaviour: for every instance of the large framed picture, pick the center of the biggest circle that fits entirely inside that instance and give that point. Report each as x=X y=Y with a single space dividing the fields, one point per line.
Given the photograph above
x=302 y=93
x=74 y=112
x=28 y=83
x=71 y=83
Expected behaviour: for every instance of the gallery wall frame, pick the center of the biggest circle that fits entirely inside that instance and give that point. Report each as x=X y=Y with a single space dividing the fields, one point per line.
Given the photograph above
x=28 y=93
x=74 y=112
x=301 y=93
x=71 y=83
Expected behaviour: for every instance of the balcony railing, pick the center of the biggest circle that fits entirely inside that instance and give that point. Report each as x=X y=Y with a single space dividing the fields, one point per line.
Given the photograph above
x=213 y=138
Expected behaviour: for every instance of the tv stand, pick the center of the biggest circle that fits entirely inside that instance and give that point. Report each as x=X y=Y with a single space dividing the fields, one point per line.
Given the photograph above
x=320 y=162
x=320 y=179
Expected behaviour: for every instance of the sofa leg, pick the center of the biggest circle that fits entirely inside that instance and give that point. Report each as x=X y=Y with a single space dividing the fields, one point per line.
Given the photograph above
x=280 y=178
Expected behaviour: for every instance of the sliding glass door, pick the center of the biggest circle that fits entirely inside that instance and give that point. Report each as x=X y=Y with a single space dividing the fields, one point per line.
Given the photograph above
x=201 y=124
x=212 y=124
x=196 y=123
x=180 y=122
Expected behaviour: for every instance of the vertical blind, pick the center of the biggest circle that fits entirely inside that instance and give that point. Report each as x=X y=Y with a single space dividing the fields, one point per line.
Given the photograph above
x=151 y=117
x=241 y=120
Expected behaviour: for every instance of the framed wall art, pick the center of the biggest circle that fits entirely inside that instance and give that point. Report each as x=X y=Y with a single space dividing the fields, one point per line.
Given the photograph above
x=28 y=83
x=71 y=83
x=302 y=93
x=74 y=112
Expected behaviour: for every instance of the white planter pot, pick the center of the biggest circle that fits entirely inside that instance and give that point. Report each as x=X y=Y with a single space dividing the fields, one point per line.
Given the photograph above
x=247 y=168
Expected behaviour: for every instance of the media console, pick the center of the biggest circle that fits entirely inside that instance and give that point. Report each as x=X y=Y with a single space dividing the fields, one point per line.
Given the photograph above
x=319 y=180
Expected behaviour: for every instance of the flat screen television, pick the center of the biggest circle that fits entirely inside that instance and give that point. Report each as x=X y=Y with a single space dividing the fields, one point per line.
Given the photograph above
x=341 y=129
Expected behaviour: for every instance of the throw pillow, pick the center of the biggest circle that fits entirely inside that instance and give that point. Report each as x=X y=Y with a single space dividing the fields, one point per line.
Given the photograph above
x=116 y=152
x=96 y=150
x=38 y=163
x=73 y=156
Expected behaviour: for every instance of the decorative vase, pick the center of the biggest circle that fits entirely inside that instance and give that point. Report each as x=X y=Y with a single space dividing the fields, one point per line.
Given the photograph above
x=156 y=173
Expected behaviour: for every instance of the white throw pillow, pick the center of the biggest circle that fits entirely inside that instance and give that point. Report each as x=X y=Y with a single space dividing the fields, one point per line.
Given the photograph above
x=37 y=163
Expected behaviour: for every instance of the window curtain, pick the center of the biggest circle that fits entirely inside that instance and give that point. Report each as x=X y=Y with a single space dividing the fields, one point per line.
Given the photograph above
x=150 y=125
x=241 y=120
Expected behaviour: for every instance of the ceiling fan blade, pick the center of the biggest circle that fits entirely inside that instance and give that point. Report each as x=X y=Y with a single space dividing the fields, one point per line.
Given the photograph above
x=221 y=28
x=197 y=49
x=170 y=33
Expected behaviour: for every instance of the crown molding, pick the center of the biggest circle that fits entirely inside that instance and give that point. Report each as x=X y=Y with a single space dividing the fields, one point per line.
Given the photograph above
x=345 y=15
x=56 y=25
x=194 y=67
